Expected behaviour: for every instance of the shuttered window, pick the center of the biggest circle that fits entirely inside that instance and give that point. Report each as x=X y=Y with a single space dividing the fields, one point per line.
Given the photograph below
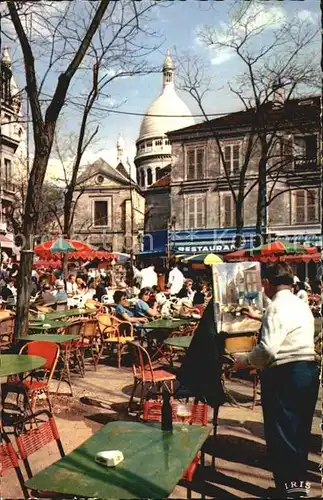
x=195 y=164
x=232 y=158
x=195 y=210
x=228 y=210
x=306 y=206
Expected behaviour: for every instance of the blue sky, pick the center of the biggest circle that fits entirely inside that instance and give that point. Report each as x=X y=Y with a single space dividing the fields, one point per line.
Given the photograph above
x=178 y=23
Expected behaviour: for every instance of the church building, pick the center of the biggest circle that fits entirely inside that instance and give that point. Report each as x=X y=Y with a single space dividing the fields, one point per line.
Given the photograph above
x=168 y=112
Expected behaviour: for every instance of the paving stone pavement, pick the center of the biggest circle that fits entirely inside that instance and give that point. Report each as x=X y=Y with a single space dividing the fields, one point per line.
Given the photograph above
x=241 y=466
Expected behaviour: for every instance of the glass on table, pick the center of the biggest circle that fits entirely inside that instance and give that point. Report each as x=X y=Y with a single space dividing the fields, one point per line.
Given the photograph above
x=183 y=413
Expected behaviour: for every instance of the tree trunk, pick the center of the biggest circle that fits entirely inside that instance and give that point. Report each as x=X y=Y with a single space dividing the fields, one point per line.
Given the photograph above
x=29 y=230
x=23 y=293
x=239 y=219
x=68 y=202
x=261 y=225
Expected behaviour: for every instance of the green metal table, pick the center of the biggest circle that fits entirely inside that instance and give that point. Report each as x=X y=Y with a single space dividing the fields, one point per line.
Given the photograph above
x=183 y=342
x=154 y=462
x=48 y=325
x=67 y=314
x=166 y=324
x=57 y=339
x=13 y=364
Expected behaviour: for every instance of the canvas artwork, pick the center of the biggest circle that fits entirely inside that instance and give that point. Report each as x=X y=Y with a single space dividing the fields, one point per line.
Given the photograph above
x=235 y=287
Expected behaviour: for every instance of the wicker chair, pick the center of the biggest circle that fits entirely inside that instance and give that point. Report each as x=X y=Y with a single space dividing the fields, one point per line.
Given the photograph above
x=144 y=374
x=113 y=332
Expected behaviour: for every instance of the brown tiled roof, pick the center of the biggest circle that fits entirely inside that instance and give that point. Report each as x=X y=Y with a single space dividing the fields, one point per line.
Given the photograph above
x=163 y=182
x=295 y=112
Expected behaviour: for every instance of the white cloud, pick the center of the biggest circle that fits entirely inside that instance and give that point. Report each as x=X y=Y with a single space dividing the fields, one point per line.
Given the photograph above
x=224 y=55
x=307 y=15
x=258 y=17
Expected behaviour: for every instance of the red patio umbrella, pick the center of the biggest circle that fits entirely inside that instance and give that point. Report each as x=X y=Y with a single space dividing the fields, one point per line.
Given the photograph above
x=273 y=252
x=44 y=248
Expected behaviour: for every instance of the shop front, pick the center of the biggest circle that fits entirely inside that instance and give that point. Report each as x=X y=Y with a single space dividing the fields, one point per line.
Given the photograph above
x=218 y=241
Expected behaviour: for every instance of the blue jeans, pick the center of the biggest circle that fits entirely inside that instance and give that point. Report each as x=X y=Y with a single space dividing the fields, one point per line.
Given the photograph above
x=289 y=394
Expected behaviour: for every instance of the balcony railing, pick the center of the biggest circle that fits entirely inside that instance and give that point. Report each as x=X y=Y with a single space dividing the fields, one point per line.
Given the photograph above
x=305 y=162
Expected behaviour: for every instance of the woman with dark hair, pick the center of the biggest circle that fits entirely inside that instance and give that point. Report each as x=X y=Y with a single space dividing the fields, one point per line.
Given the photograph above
x=142 y=306
x=122 y=311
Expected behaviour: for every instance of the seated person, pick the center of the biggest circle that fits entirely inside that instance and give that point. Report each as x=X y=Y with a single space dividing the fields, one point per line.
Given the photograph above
x=6 y=292
x=100 y=290
x=47 y=298
x=160 y=297
x=122 y=312
x=187 y=291
x=61 y=295
x=142 y=306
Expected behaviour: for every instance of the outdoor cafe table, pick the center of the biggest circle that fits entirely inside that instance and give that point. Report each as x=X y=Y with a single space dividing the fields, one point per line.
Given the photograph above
x=159 y=329
x=167 y=324
x=154 y=462
x=13 y=364
x=48 y=325
x=183 y=342
x=55 y=338
x=67 y=314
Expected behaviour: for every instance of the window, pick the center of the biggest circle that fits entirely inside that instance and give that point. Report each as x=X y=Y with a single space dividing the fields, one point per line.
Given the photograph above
x=149 y=145
x=195 y=163
x=306 y=206
x=167 y=142
x=7 y=172
x=142 y=177
x=142 y=147
x=157 y=173
x=232 y=158
x=100 y=213
x=159 y=142
x=138 y=178
x=195 y=211
x=228 y=210
x=305 y=150
x=149 y=177
x=168 y=77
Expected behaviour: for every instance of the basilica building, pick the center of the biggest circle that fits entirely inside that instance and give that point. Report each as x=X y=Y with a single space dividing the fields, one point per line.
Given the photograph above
x=168 y=112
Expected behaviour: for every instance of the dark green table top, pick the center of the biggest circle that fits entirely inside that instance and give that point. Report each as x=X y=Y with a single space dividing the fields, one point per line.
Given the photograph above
x=183 y=342
x=12 y=364
x=57 y=339
x=66 y=314
x=48 y=325
x=166 y=324
x=154 y=462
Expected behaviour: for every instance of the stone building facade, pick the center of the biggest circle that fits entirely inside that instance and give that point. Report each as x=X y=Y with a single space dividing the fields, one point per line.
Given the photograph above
x=109 y=210
x=11 y=134
x=200 y=192
x=157 y=205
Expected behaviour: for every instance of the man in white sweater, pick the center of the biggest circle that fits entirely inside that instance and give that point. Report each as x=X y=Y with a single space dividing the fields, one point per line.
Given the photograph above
x=289 y=381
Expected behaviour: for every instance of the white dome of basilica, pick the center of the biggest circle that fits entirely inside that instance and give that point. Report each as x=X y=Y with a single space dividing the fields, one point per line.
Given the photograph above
x=175 y=114
x=168 y=112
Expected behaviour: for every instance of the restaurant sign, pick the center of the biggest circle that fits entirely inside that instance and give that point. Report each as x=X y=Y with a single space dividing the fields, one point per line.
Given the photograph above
x=219 y=247
x=209 y=240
